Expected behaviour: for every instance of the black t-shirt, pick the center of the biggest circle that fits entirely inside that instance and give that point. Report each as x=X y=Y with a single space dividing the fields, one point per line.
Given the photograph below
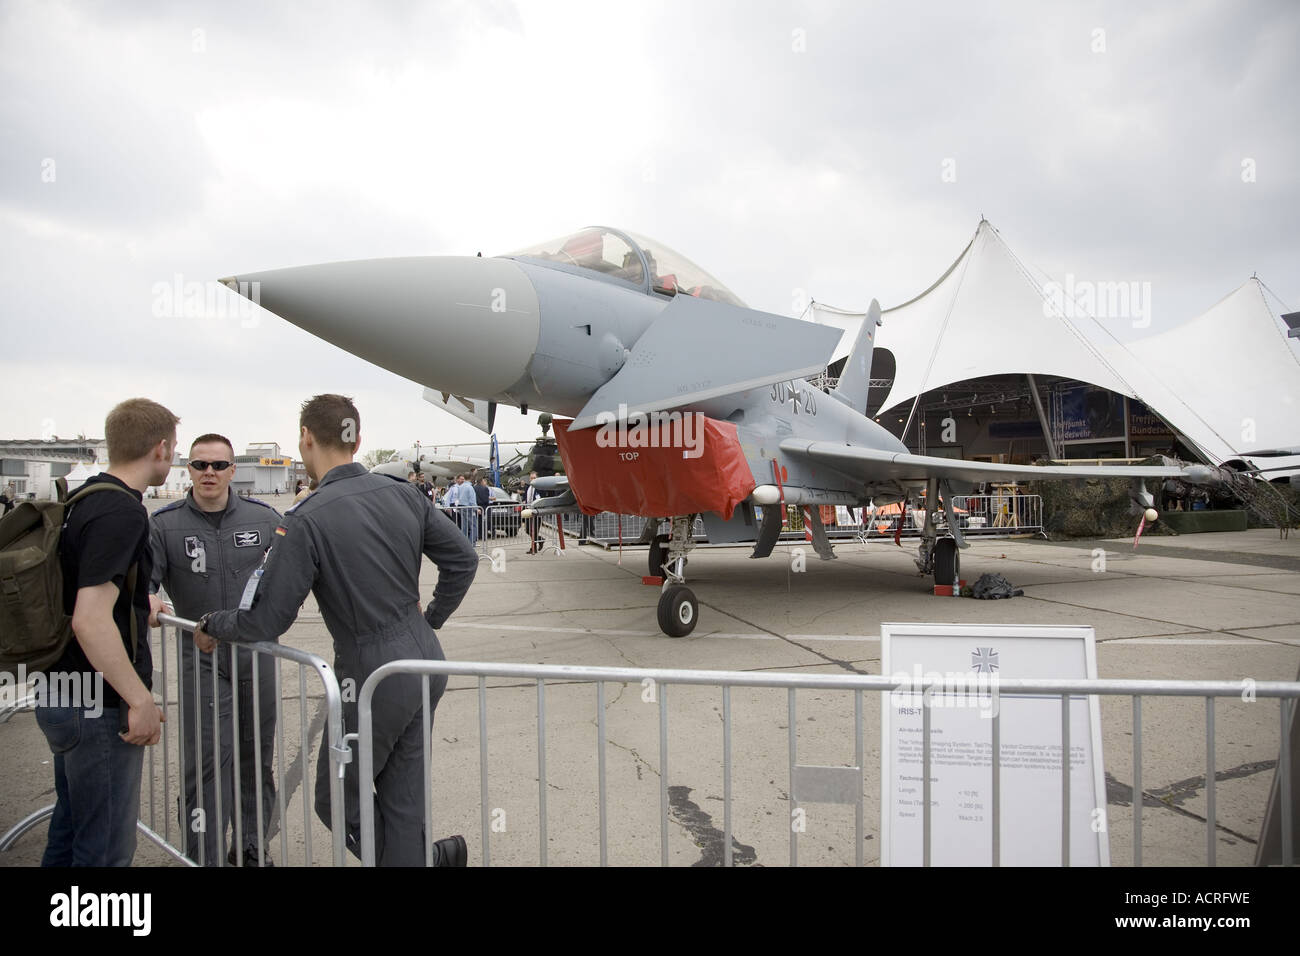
x=103 y=535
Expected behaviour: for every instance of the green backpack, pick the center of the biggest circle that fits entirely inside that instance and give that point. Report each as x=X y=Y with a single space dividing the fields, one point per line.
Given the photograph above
x=34 y=629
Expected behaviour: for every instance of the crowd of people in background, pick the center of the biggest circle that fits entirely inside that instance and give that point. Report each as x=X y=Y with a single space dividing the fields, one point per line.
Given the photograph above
x=463 y=501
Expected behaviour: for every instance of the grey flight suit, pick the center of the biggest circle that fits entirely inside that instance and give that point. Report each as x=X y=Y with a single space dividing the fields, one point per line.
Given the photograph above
x=205 y=567
x=357 y=544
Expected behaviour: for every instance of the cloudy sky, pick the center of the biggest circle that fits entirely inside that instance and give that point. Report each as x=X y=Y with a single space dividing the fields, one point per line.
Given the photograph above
x=843 y=151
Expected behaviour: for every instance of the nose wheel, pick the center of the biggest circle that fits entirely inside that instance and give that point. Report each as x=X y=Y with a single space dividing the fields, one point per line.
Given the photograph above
x=678 y=611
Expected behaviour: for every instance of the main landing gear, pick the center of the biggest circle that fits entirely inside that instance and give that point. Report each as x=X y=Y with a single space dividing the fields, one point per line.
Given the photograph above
x=678 y=609
x=940 y=556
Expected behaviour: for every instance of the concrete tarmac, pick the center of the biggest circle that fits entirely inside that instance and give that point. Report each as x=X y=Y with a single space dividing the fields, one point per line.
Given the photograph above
x=1213 y=606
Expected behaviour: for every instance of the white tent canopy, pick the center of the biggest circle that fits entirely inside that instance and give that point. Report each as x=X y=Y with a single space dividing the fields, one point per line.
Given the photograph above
x=78 y=475
x=985 y=316
x=1228 y=381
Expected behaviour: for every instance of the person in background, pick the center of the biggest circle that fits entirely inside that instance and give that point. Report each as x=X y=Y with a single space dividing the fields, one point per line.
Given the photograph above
x=534 y=522
x=467 y=505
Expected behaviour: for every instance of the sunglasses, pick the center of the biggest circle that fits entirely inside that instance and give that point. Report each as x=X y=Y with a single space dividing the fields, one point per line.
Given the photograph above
x=214 y=465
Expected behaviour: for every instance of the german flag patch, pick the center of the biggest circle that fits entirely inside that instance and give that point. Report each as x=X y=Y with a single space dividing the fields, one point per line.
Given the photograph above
x=281 y=531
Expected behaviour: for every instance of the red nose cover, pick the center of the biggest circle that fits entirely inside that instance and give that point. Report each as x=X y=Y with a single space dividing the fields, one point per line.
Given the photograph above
x=656 y=471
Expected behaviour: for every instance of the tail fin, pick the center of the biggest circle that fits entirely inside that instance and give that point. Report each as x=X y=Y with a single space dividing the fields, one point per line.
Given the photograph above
x=856 y=377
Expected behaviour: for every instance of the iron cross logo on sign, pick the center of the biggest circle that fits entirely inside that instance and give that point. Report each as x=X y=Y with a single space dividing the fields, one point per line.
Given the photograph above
x=984 y=660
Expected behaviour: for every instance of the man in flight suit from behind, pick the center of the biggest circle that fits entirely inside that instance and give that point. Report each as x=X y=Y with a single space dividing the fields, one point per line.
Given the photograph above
x=204 y=548
x=356 y=544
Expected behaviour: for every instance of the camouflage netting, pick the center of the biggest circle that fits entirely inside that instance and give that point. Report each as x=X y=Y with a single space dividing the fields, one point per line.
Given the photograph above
x=1099 y=507
x=1280 y=506
x=1088 y=508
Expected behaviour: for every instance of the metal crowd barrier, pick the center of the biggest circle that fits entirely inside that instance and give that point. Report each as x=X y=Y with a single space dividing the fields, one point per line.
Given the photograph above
x=991 y=516
x=609 y=526
x=503 y=521
x=170 y=686
x=806 y=779
x=469 y=518
x=505 y=525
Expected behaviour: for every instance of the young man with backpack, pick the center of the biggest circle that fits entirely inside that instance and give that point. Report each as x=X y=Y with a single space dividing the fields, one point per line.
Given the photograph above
x=104 y=553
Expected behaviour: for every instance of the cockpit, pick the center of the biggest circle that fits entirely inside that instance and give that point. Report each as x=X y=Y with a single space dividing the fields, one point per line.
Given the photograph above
x=626 y=257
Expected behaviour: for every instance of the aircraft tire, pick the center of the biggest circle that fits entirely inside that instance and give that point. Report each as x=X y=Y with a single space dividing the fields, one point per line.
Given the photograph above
x=947 y=561
x=678 y=611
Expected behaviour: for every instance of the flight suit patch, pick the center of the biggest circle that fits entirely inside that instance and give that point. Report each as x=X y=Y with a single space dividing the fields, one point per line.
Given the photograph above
x=248 y=539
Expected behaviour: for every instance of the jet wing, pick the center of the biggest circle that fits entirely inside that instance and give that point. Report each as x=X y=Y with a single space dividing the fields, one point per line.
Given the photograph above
x=875 y=465
x=699 y=349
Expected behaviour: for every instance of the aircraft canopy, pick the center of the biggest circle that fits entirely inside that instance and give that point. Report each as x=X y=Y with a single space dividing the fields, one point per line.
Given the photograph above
x=644 y=263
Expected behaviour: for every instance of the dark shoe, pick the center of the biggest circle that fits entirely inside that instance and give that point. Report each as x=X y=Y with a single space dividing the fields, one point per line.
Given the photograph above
x=452 y=851
x=250 y=857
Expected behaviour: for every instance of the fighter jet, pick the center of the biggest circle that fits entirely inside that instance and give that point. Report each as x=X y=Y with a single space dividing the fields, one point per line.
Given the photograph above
x=445 y=462
x=680 y=400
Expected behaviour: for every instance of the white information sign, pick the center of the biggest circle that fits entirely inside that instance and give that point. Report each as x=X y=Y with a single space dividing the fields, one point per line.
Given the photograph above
x=972 y=659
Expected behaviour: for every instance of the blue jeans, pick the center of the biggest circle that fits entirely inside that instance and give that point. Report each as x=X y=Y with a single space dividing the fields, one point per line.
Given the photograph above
x=97 y=787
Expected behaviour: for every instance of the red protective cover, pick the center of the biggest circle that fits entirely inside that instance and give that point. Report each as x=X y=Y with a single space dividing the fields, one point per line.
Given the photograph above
x=610 y=475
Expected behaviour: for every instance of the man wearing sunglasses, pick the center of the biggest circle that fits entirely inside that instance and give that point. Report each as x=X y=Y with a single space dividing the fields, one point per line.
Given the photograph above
x=205 y=547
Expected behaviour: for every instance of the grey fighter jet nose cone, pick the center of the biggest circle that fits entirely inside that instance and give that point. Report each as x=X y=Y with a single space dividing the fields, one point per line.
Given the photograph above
x=459 y=324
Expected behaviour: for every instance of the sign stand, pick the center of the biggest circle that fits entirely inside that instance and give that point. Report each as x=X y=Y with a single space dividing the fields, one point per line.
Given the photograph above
x=982 y=811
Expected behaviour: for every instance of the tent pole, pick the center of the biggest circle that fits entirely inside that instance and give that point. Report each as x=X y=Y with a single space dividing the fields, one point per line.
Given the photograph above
x=1128 y=437
x=1042 y=417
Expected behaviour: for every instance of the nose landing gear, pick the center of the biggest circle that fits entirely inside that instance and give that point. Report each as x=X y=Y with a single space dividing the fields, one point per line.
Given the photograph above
x=678 y=608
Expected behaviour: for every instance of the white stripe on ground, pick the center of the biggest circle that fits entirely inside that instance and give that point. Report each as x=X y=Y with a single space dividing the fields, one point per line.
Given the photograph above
x=849 y=638
x=550 y=630
x=833 y=637
x=1216 y=641
x=603 y=632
